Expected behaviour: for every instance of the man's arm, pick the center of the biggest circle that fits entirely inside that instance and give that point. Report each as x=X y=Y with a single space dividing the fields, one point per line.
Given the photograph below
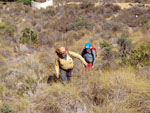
x=57 y=67
x=76 y=55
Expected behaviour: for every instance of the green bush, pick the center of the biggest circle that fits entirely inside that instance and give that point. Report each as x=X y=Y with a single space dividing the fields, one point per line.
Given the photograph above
x=6 y=109
x=146 y=21
x=4 y=29
x=78 y=24
x=104 y=44
x=26 y=2
x=140 y=55
x=28 y=36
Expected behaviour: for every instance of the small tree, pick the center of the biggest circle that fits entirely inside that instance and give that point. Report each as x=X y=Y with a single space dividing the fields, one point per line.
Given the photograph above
x=28 y=36
x=125 y=45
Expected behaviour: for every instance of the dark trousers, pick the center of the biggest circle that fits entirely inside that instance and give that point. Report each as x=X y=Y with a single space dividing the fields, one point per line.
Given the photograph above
x=65 y=75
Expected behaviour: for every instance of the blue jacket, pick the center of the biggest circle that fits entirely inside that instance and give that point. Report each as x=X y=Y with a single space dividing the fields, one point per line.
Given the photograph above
x=89 y=57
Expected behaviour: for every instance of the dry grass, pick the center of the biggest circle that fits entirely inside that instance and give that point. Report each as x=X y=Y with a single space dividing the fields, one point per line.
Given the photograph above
x=51 y=98
x=24 y=75
x=138 y=38
x=104 y=91
x=113 y=91
x=124 y=89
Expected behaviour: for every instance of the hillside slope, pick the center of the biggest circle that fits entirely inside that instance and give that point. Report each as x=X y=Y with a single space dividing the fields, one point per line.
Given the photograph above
x=119 y=82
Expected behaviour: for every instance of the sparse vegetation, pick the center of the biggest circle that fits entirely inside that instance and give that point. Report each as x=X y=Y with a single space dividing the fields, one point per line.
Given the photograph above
x=49 y=12
x=6 y=109
x=79 y=23
x=26 y=2
x=125 y=46
x=86 y=4
x=140 y=55
x=28 y=36
x=106 y=88
x=107 y=50
x=6 y=30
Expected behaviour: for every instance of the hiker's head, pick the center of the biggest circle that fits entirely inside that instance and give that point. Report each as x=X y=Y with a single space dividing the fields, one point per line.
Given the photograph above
x=62 y=51
x=88 y=46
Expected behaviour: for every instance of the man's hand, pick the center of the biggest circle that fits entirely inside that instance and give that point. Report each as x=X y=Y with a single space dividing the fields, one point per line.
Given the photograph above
x=57 y=75
x=86 y=64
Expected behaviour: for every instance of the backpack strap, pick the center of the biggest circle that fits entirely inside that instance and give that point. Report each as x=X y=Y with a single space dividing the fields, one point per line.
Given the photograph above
x=92 y=52
x=68 y=53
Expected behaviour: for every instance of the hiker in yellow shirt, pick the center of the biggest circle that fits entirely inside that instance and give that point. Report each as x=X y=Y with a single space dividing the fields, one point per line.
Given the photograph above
x=64 y=63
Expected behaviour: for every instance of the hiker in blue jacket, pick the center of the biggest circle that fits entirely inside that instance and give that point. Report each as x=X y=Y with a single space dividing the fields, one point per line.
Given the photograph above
x=89 y=54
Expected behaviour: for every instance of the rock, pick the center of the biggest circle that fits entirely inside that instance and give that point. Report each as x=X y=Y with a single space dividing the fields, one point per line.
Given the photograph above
x=23 y=48
x=38 y=28
x=38 y=5
x=130 y=30
x=114 y=40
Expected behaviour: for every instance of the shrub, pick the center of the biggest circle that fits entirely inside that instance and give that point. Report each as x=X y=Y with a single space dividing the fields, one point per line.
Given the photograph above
x=4 y=29
x=140 y=55
x=146 y=26
x=2 y=90
x=28 y=86
x=6 y=109
x=49 y=12
x=86 y=4
x=104 y=44
x=26 y=2
x=28 y=36
x=107 y=49
x=125 y=45
x=78 y=24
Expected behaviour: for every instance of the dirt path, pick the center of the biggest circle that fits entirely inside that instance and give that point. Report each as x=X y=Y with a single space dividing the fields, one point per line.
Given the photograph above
x=121 y=5
x=129 y=5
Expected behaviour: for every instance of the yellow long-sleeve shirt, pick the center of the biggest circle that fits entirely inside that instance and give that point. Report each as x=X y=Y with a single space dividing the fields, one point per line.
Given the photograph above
x=68 y=62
